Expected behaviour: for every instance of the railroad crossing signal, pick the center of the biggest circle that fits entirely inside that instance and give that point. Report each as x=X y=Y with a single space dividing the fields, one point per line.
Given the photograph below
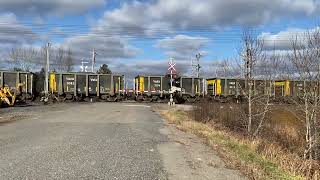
x=172 y=66
x=172 y=70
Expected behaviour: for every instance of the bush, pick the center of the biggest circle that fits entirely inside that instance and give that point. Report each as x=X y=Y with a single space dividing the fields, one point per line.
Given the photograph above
x=229 y=115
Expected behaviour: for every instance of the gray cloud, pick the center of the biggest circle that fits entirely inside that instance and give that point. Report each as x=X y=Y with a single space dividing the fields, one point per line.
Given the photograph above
x=148 y=67
x=107 y=48
x=165 y=16
x=12 y=32
x=182 y=47
x=49 y=7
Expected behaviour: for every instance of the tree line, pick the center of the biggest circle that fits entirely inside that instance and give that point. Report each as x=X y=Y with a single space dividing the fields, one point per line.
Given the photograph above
x=61 y=59
x=31 y=58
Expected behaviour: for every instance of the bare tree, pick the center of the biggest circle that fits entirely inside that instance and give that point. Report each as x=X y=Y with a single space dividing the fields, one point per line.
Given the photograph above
x=59 y=63
x=63 y=60
x=69 y=61
x=305 y=57
x=23 y=57
x=253 y=57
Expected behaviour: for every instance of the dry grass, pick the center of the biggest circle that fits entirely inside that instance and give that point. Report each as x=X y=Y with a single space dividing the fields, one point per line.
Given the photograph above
x=257 y=158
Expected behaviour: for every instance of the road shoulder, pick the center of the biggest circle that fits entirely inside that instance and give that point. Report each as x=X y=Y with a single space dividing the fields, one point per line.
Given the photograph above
x=185 y=156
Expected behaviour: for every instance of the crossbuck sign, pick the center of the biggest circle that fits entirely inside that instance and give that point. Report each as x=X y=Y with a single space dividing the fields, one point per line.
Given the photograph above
x=172 y=67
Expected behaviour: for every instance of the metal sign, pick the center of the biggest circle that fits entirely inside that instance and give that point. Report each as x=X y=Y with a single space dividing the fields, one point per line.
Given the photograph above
x=172 y=66
x=83 y=67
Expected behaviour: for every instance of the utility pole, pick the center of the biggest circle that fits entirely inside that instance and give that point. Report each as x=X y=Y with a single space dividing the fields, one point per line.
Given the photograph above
x=196 y=65
x=46 y=86
x=93 y=60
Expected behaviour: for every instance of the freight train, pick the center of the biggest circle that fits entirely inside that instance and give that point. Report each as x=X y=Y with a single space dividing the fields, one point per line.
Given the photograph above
x=111 y=87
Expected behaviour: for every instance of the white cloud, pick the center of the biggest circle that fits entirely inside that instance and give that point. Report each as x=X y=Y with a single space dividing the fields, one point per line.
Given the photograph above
x=182 y=47
x=49 y=7
x=282 y=41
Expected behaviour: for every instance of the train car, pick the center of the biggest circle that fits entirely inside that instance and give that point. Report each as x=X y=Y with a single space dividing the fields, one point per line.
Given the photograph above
x=20 y=82
x=225 y=87
x=235 y=88
x=297 y=88
x=192 y=88
x=81 y=86
x=151 y=88
x=282 y=88
x=157 y=88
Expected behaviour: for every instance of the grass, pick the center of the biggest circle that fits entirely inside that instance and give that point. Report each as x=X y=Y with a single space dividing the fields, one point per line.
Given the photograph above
x=240 y=152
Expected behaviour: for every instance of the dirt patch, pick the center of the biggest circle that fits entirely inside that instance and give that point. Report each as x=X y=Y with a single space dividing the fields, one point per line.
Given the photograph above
x=12 y=118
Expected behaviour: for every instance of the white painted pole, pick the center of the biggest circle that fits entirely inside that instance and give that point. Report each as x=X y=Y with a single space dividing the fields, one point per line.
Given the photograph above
x=171 y=83
x=47 y=71
x=93 y=60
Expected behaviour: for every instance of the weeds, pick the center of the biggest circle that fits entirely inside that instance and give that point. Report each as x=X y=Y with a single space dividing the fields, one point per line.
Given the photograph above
x=276 y=153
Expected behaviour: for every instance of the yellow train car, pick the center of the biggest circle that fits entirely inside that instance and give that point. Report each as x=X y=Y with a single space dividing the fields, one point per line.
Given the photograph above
x=282 y=88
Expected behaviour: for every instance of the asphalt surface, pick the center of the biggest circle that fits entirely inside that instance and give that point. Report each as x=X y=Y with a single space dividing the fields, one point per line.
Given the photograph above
x=82 y=141
x=102 y=141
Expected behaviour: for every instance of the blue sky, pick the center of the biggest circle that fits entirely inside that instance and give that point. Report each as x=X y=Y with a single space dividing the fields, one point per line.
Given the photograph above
x=136 y=37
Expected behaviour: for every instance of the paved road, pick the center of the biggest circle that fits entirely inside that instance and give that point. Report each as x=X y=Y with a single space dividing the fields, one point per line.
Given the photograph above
x=100 y=141
x=95 y=141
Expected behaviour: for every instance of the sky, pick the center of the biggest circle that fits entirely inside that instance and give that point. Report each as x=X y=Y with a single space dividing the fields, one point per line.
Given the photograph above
x=138 y=37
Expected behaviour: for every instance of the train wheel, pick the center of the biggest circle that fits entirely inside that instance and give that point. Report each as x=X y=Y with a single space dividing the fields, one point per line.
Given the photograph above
x=191 y=99
x=69 y=97
x=139 y=98
x=155 y=99
x=110 y=99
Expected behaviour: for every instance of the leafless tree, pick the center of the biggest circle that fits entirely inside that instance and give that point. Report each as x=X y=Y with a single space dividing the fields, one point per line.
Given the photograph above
x=23 y=57
x=59 y=63
x=63 y=61
x=253 y=56
x=69 y=61
x=305 y=57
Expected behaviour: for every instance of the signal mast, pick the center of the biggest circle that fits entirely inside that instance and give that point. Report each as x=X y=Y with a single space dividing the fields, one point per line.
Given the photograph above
x=172 y=71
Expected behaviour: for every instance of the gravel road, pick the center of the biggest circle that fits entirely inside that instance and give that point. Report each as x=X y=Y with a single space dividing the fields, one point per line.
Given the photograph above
x=95 y=141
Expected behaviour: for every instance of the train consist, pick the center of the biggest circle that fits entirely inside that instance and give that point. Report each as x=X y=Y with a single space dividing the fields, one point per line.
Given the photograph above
x=234 y=88
x=81 y=86
x=21 y=86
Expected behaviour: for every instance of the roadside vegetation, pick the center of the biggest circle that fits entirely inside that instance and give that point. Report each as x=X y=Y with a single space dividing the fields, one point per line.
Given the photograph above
x=268 y=136
x=275 y=153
